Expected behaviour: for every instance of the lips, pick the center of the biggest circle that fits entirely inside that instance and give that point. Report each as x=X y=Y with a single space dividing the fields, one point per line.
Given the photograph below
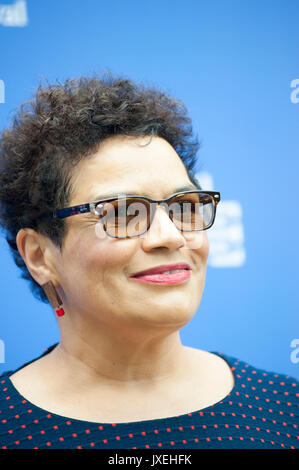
x=161 y=269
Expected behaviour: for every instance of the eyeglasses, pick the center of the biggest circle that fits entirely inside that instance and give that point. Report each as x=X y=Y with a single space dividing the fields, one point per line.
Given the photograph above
x=189 y=211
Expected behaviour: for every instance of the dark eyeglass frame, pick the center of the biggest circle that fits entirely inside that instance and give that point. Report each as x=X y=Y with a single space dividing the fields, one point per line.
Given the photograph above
x=92 y=207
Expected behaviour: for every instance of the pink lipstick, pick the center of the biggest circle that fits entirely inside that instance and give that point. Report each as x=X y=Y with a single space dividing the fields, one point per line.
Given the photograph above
x=164 y=274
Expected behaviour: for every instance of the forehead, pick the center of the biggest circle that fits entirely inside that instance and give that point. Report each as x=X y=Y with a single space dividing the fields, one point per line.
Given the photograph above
x=129 y=164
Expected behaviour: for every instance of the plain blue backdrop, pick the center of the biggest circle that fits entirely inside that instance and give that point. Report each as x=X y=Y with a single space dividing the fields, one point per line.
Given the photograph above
x=232 y=63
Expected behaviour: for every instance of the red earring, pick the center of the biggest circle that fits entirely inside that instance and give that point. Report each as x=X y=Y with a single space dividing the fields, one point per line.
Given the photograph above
x=60 y=312
x=53 y=298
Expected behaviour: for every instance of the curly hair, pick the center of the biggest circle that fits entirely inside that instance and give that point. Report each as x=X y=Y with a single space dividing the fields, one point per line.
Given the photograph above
x=64 y=123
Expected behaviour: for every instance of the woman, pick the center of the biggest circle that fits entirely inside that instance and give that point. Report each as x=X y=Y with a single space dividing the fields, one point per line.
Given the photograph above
x=120 y=376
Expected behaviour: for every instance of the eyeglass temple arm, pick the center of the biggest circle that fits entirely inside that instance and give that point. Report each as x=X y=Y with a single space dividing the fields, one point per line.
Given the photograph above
x=68 y=211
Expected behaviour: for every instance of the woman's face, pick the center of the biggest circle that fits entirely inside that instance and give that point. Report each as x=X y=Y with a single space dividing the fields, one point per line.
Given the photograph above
x=94 y=271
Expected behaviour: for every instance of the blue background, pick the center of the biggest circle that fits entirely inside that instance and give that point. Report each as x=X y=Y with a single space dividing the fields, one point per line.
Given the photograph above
x=231 y=62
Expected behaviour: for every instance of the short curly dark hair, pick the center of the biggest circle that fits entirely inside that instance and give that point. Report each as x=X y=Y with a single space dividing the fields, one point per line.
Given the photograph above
x=61 y=125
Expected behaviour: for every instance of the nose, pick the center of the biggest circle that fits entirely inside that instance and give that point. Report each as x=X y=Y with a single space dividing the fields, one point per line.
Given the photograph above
x=162 y=232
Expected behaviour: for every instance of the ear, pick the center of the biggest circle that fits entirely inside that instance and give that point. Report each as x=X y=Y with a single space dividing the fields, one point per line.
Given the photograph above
x=35 y=250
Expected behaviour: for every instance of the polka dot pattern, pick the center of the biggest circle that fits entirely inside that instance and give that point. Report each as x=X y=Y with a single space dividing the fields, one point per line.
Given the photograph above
x=260 y=412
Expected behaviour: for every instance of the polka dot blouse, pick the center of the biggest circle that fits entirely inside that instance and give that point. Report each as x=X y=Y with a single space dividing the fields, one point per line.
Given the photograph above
x=260 y=412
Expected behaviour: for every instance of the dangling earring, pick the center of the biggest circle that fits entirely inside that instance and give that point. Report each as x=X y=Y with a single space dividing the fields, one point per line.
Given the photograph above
x=53 y=298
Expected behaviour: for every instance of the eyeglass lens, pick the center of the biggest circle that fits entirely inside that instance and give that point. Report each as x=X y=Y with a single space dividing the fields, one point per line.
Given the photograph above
x=130 y=217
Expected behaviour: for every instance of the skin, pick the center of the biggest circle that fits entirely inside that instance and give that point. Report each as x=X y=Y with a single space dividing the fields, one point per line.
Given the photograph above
x=120 y=342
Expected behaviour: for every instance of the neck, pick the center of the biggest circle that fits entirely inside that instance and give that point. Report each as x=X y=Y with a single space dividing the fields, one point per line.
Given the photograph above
x=123 y=357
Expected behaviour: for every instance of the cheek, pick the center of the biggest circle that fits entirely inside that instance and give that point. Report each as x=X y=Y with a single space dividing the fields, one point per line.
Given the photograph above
x=198 y=243
x=88 y=257
x=205 y=249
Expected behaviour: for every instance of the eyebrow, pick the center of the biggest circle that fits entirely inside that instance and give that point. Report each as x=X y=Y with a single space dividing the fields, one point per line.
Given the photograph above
x=188 y=187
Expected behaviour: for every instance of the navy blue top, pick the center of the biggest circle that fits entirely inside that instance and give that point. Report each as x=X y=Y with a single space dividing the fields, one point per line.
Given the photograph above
x=260 y=412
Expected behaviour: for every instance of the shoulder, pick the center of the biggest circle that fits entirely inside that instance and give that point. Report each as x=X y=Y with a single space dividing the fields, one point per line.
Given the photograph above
x=266 y=385
x=8 y=393
x=5 y=374
x=244 y=367
x=9 y=397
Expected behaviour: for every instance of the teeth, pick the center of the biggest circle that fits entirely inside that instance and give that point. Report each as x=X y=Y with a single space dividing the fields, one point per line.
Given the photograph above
x=164 y=272
x=173 y=271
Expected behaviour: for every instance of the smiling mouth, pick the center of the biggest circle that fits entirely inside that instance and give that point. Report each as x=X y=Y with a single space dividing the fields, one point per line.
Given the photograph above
x=175 y=276
x=166 y=268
